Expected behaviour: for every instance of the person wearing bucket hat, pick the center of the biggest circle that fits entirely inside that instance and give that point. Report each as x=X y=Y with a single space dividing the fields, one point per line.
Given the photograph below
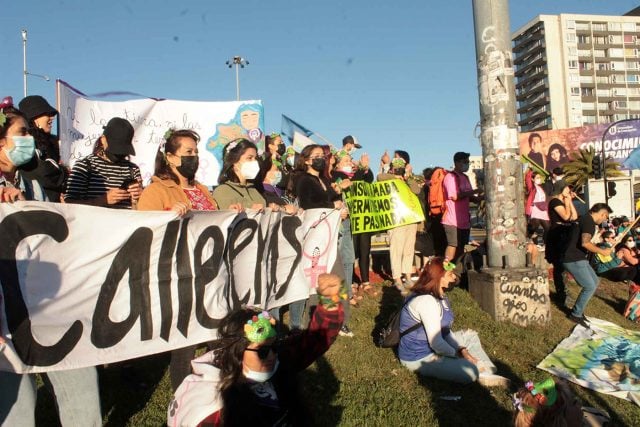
x=107 y=177
x=45 y=167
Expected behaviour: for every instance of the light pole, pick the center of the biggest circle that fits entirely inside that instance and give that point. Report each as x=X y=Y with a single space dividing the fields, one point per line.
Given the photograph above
x=239 y=62
x=25 y=73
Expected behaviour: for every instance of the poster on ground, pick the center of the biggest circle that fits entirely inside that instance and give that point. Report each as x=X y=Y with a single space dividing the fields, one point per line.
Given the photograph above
x=604 y=357
x=82 y=119
x=84 y=286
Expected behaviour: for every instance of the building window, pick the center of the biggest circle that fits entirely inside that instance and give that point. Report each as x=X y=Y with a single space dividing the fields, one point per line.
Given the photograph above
x=575 y=91
x=583 y=39
x=599 y=26
x=633 y=78
x=571 y=24
x=628 y=38
x=616 y=53
x=573 y=64
x=614 y=26
x=571 y=37
x=589 y=120
x=586 y=91
x=628 y=26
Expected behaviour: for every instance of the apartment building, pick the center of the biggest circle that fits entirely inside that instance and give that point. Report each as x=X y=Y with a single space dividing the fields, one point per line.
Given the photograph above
x=575 y=70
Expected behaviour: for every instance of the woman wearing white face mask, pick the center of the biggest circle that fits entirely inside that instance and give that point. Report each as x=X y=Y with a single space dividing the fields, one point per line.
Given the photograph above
x=239 y=170
x=257 y=375
x=627 y=251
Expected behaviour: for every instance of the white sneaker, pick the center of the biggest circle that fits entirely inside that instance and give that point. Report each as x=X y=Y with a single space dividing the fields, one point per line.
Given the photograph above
x=345 y=332
x=493 y=380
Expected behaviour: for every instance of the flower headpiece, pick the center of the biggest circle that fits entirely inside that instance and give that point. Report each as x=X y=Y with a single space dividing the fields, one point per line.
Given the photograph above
x=274 y=135
x=340 y=154
x=232 y=145
x=7 y=102
x=290 y=150
x=545 y=392
x=398 y=162
x=448 y=265
x=260 y=328
x=168 y=134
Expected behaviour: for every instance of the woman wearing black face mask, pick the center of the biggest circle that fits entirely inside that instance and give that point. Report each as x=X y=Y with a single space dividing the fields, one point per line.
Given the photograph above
x=107 y=178
x=173 y=185
x=312 y=188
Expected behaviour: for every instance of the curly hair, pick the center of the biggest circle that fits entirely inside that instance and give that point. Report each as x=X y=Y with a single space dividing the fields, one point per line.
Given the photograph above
x=232 y=156
x=540 y=415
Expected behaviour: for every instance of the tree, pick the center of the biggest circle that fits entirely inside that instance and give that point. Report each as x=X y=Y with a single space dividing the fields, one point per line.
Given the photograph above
x=579 y=169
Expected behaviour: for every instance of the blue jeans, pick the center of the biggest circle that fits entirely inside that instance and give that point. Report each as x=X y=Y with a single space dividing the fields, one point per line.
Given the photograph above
x=76 y=391
x=455 y=369
x=587 y=279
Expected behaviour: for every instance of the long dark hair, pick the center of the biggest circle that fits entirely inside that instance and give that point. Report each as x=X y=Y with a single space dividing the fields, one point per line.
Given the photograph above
x=300 y=167
x=171 y=146
x=327 y=158
x=231 y=157
x=229 y=349
x=45 y=142
x=428 y=282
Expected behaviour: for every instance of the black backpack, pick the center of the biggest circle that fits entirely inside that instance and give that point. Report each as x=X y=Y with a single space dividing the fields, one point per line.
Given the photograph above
x=390 y=335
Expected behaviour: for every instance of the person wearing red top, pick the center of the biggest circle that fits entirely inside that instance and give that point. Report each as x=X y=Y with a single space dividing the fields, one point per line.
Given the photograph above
x=257 y=373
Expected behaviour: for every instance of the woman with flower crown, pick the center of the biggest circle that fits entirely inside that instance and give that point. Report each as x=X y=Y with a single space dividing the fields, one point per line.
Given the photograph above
x=256 y=375
x=239 y=169
x=174 y=187
x=428 y=346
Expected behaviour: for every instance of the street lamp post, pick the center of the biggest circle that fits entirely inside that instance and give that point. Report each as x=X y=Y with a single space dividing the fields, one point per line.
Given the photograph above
x=26 y=73
x=238 y=62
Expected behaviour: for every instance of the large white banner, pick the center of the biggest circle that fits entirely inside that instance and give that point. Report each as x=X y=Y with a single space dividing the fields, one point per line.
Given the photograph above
x=217 y=123
x=83 y=286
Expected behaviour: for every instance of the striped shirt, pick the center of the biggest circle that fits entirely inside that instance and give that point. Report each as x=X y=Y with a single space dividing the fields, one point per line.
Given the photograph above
x=93 y=176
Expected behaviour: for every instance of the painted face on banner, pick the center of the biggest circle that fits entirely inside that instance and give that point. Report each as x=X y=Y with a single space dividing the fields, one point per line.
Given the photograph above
x=250 y=119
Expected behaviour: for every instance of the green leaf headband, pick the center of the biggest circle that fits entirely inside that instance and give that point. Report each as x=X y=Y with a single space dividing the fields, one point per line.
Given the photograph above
x=398 y=162
x=448 y=265
x=545 y=392
x=260 y=328
x=3 y=118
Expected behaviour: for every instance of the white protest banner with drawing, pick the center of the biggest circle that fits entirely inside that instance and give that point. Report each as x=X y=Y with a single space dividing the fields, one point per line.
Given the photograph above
x=217 y=123
x=83 y=286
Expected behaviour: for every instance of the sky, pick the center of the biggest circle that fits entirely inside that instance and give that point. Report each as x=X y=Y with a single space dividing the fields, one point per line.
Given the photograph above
x=397 y=75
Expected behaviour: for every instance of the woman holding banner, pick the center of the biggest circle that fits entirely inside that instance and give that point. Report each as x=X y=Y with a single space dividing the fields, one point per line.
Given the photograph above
x=76 y=390
x=239 y=169
x=173 y=187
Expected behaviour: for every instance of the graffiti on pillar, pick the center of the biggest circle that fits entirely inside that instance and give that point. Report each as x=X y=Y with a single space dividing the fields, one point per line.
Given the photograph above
x=495 y=66
x=523 y=299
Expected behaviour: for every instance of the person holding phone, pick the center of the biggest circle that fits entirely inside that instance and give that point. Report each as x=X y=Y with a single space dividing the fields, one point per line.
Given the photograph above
x=107 y=178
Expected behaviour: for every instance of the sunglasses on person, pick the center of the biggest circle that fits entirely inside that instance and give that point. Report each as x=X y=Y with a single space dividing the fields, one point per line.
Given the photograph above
x=263 y=351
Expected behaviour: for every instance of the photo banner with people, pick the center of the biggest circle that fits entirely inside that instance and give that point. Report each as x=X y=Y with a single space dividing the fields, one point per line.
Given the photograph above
x=217 y=123
x=84 y=286
x=381 y=205
x=604 y=357
x=553 y=148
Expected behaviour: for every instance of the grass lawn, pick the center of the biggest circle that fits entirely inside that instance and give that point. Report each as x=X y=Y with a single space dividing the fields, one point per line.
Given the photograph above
x=358 y=384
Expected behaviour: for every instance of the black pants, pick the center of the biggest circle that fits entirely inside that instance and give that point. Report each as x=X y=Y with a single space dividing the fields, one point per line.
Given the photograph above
x=435 y=229
x=534 y=224
x=362 y=247
x=620 y=274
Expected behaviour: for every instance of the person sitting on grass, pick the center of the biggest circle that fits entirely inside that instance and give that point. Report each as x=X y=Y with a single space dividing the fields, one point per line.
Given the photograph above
x=434 y=350
x=258 y=374
x=548 y=403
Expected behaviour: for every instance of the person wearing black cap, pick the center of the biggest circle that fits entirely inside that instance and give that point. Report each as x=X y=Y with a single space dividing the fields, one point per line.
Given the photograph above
x=457 y=218
x=107 y=178
x=350 y=144
x=45 y=166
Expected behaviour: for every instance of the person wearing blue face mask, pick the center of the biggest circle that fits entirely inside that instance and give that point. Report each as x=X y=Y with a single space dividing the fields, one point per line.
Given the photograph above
x=77 y=394
x=17 y=148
